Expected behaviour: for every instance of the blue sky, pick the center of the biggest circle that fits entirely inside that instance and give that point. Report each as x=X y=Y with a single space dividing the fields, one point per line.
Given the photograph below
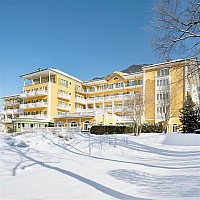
x=84 y=38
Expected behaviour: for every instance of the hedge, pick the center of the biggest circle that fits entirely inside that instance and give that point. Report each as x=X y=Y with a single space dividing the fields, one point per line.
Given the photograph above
x=100 y=130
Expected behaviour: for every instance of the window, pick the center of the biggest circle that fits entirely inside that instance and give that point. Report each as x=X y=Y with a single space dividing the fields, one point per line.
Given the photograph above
x=140 y=82
x=60 y=124
x=163 y=72
x=73 y=124
x=87 y=125
x=70 y=83
x=115 y=78
x=119 y=85
x=110 y=86
x=63 y=82
x=175 y=128
x=100 y=87
x=131 y=83
x=53 y=79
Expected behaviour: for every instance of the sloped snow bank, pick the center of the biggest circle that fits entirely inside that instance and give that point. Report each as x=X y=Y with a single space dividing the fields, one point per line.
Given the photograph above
x=180 y=139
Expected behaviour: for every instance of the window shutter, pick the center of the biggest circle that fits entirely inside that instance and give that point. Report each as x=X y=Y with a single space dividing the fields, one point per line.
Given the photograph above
x=59 y=81
x=66 y=84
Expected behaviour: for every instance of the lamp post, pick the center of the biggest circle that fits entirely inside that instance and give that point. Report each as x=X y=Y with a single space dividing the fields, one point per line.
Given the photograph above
x=89 y=138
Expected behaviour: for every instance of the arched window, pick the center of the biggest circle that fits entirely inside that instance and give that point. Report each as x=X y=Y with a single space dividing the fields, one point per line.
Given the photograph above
x=60 y=124
x=73 y=124
x=87 y=125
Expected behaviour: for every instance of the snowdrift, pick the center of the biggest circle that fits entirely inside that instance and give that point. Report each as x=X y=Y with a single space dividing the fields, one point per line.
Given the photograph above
x=180 y=139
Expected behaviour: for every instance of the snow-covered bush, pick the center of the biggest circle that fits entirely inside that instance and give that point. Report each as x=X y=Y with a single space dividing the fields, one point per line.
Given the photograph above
x=10 y=141
x=22 y=144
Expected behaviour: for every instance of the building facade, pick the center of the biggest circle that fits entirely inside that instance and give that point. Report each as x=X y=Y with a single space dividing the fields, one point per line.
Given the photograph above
x=51 y=97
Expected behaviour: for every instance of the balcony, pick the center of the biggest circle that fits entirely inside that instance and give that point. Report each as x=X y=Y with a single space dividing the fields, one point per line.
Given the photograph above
x=63 y=107
x=80 y=90
x=9 y=111
x=41 y=93
x=17 y=111
x=37 y=116
x=99 y=99
x=23 y=106
x=33 y=93
x=108 y=109
x=75 y=115
x=64 y=96
x=40 y=104
x=118 y=108
x=108 y=98
x=60 y=115
x=118 y=97
x=90 y=100
x=90 y=109
x=33 y=105
x=23 y=95
x=80 y=100
x=79 y=110
x=8 y=120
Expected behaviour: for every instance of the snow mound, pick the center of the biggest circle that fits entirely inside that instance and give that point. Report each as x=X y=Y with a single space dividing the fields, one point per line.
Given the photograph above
x=13 y=142
x=22 y=144
x=180 y=139
x=10 y=141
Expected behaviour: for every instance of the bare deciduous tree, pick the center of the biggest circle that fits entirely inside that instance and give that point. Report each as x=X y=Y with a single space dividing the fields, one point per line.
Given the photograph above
x=176 y=27
x=134 y=109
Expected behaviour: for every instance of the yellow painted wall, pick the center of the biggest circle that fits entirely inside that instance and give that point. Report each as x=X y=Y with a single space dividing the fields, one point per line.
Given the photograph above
x=149 y=94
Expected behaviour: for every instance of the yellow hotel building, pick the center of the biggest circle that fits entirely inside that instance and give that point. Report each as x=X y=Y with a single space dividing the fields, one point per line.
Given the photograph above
x=51 y=97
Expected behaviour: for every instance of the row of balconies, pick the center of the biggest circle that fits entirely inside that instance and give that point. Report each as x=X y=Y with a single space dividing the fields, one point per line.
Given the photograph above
x=80 y=114
x=11 y=111
x=101 y=99
x=77 y=99
x=106 y=109
x=33 y=93
x=37 y=116
x=107 y=89
x=33 y=105
x=9 y=103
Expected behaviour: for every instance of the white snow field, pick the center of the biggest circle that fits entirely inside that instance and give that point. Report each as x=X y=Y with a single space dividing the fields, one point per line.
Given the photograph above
x=150 y=166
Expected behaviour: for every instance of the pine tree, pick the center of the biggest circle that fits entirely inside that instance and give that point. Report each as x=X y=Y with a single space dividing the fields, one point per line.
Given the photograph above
x=188 y=117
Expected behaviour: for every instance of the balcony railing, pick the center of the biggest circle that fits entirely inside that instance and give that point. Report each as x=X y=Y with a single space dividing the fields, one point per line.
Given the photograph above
x=33 y=105
x=108 y=98
x=108 y=109
x=118 y=97
x=118 y=108
x=99 y=99
x=63 y=107
x=37 y=116
x=79 y=110
x=80 y=100
x=71 y=115
x=34 y=93
x=64 y=96
x=90 y=100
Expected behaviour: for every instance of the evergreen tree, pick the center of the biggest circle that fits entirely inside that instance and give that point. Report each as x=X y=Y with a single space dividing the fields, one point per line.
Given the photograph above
x=188 y=117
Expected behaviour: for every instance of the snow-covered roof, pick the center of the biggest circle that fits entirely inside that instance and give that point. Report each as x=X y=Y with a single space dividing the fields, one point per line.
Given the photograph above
x=11 y=96
x=45 y=72
x=65 y=74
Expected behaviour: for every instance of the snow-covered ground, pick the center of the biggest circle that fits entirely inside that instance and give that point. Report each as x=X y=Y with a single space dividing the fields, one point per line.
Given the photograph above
x=121 y=167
